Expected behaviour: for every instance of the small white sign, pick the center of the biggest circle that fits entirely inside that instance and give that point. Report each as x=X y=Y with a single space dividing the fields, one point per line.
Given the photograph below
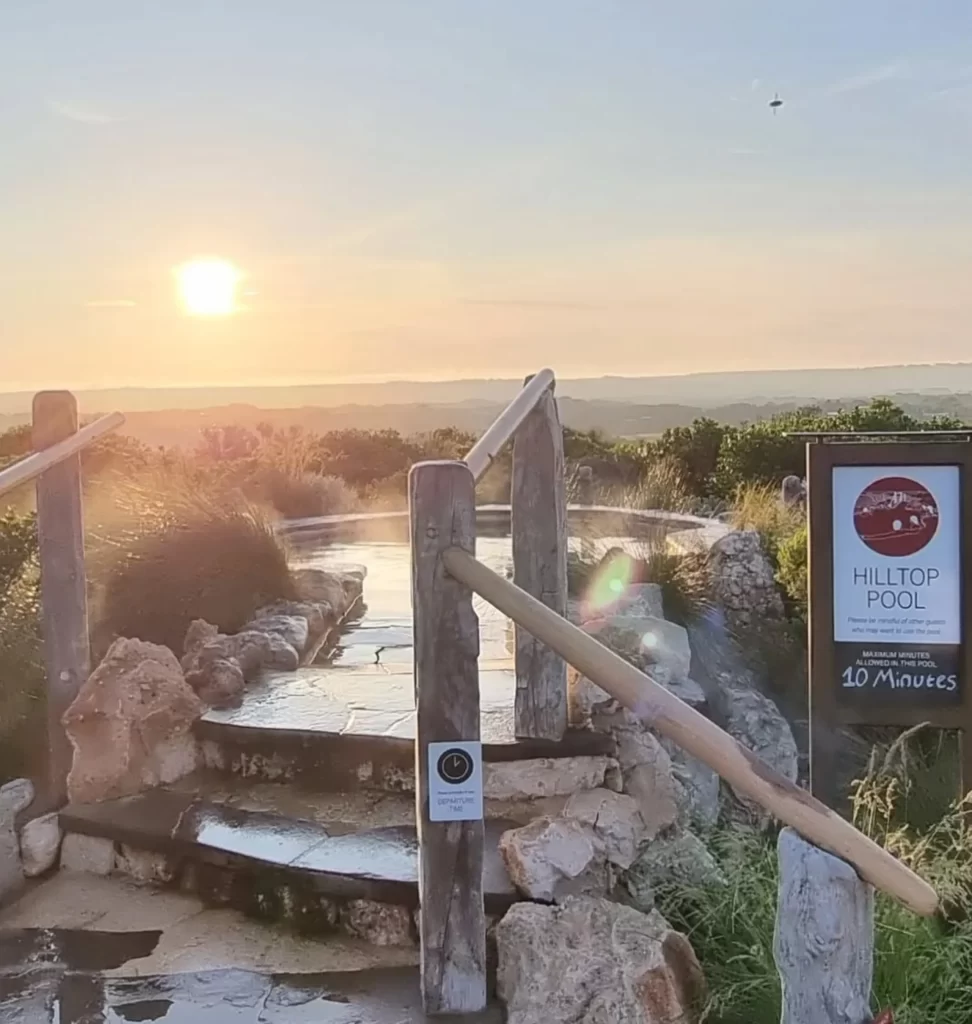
x=456 y=781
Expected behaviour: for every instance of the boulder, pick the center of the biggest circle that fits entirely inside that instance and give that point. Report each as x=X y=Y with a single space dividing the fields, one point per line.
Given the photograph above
x=220 y=685
x=590 y=961
x=318 y=614
x=338 y=589
x=543 y=777
x=40 y=844
x=615 y=819
x=647 y=777
x=653 y=644
x=756 y=722
x=743 y=581
x=641 y=600
x=131 y=724
x=554 y=857
x=293 y=629
x=15 y=797
x=199 y=632
x=253 y=650
x=679 y=858
x=91 y=855
x=699 y=787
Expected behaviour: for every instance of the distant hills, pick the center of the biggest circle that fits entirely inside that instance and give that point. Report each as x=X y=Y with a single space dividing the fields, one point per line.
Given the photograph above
x=702 y=389
x=620 y=406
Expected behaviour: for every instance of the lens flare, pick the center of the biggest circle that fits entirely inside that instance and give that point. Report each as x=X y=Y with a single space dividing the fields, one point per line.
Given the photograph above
x=611 y=582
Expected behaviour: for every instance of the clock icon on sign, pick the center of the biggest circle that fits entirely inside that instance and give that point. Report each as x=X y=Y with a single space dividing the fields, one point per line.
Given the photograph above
x=454 y=766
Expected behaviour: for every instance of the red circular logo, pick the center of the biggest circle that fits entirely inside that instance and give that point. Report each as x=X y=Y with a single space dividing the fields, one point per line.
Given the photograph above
x=895 y=516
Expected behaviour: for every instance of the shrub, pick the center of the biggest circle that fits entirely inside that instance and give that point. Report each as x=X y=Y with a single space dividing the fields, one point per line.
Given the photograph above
x=695 y=451
x=22 y=720
x=169 y=553
x=303 y=495
x=791 y=573
x=683 y=578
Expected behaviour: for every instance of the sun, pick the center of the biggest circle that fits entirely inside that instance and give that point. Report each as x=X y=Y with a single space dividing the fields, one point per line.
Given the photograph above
x=207 y=287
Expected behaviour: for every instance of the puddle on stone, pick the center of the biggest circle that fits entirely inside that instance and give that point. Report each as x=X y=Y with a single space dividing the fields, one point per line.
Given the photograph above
x=53 y=996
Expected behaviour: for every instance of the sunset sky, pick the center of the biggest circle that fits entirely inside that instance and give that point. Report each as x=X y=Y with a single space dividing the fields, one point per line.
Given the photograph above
x=454 y=188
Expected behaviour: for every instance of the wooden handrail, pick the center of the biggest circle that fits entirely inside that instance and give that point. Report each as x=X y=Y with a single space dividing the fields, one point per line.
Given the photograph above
x=744 y=771
x=33 y=465
x=498 y=434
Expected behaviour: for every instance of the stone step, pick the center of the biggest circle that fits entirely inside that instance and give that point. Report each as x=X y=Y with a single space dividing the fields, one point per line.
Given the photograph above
x=355 y=758
x=315 y=873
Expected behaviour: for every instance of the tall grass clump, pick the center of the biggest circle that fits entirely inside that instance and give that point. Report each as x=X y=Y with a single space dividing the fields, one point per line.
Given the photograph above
x=166 y=551
x=303 y=495
x=22 y=676
x=922 y=966
x=759 y=507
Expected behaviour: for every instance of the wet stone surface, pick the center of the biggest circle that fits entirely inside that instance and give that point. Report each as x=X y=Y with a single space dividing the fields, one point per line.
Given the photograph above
x=46 y=977
x=377 y=863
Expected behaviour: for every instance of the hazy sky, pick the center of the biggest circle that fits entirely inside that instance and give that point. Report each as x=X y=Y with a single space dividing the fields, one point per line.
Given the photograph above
x=460 y=187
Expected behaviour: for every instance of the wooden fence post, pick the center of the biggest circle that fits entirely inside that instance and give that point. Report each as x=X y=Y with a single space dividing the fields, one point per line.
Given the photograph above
x=824 y=943
x=452 y=923
x=539 y=527
x=60 y=528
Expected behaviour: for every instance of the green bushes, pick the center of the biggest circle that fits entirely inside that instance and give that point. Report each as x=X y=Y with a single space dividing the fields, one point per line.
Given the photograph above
x=22 y=725
x=791 y=573
x=171 y=553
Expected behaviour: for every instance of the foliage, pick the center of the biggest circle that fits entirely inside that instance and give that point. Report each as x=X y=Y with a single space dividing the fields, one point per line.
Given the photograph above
x=168 y=552
x=695 y=450
x=791 y=573
x=303 y=495
x=923 y=967
x=21 y=652
x=684 y=578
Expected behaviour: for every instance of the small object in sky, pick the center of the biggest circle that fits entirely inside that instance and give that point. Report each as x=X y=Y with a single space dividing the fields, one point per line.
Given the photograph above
x=776 y=102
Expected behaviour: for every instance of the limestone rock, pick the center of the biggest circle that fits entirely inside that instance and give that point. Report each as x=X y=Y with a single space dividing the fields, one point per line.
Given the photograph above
x=339 y=589
x=554 y=857
x=743 y=581
x=15 y=797
x=585 y=700
x=318 y=614
x=756 y=722
x=294 y=629
x=647 y=776
x=824 y=943
x=220 y=685
x=653 y=644
x=252 y=649
x=542 y=777
x=381 y=924
x=680 y=859
x=130 y=725
x=590 y=961
x=641 y=600
x=699 y=786
x=40 y=844
x=199 y=632
x=145 y=866
x=88 y=854
x=614 y=819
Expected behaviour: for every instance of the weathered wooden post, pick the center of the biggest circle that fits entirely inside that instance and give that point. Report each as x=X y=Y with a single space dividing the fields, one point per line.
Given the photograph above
x=448 y=758
x=539 y=526
x=824 y=942
x=60 y=527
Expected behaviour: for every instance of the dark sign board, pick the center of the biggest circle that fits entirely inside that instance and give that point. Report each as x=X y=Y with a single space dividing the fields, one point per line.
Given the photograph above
x=889 y=614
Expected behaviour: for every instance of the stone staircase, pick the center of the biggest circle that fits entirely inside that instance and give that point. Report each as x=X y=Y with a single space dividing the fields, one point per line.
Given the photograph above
x=316 y=831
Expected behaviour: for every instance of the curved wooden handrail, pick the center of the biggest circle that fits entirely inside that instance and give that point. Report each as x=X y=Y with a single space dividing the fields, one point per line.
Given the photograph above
x=747 y=774
x=33 y=465
x=498 y=434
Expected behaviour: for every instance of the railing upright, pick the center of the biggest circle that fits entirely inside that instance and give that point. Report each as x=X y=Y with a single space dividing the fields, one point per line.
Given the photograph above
x=448 y=759
x=538 y=511
x=60 y=529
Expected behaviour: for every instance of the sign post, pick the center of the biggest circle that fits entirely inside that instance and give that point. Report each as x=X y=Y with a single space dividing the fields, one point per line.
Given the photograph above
x=889 y=555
